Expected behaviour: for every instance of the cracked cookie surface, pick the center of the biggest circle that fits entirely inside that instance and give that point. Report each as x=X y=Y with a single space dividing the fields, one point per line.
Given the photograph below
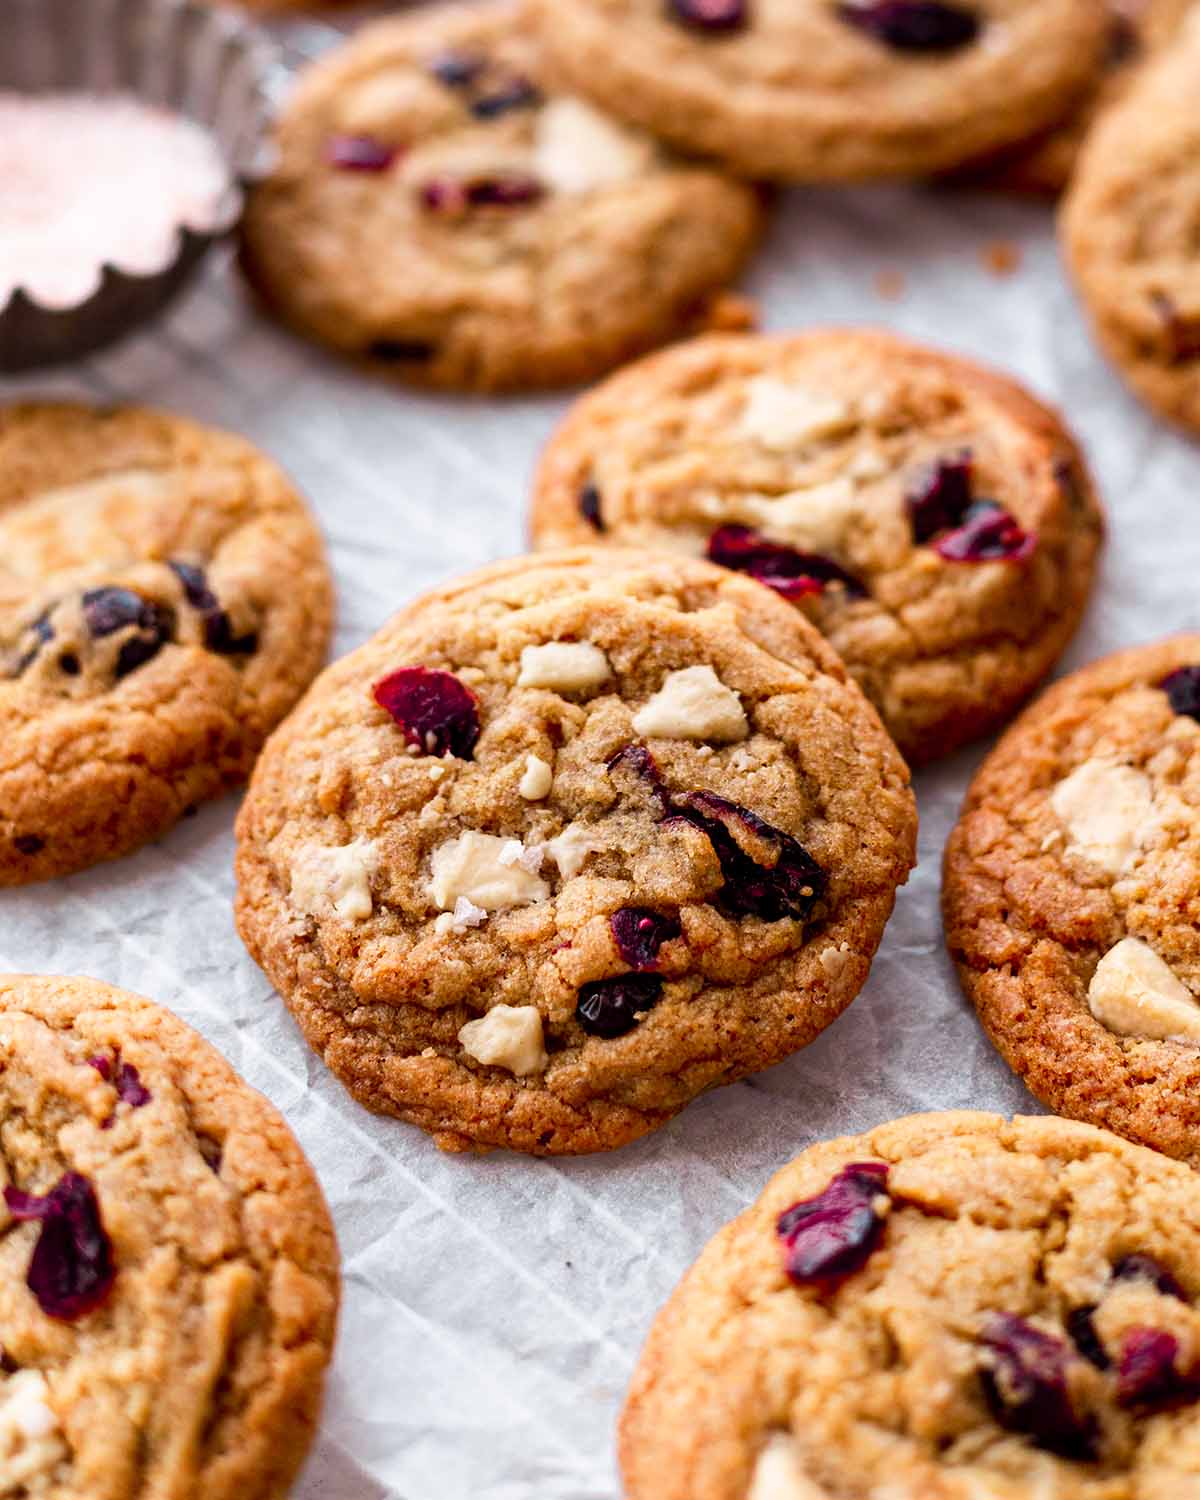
x=933 y=520
x=442 y=210
x=164 y=600
x=1022 y=1321
x=1071 y=895
x=815 y=90
x=171 y=1272
x=568 y=842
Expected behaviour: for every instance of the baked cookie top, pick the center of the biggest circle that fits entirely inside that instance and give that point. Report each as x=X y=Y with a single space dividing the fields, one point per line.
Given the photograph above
x=817 y=90
x=1128 y=227
x=164 y=600
x=948 y=1306
x=936 y=523
x=1072 y=895
x=170 y=1280
x=569 y=841
x=442 y=209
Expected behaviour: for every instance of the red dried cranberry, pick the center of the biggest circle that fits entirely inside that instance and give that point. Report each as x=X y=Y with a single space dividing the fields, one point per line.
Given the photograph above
x=790 y=573
x=636 y=762
x=43 y=632
x=1183 y=691
x=913 y=25
x=988 y=534
x=457 y=69
x=834 y=1234
x=1148 y=1377
x=359 y=153
x=29 y=843
x=1026 y=1387
x=611 y=1007
x=107 y=610
x=1182 y=332
x=941 y=498
x=447 y=195
x=195 y=585
x=438 y=714
x=1081 y=1327
x=639 y=934
x=517 y=93
x=218 y=627
x=790 y=885
x=72 y=1270
x=589 y=506
x=1146 y=1268
x=710 y=15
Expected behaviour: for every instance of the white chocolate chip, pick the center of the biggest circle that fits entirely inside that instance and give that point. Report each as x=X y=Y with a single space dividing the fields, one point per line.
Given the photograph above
x=31 y=1439
x=1134 y=993
x=472 y=866
x=834 y=960
x=578 y=149
x=564 y=666
x=782 y=416
x=537 y=780
x=335 y=880
x=463 y=916
x=693 y=704
x=436 y=772
x=815 y=520
x=1107 y=811
x=778 y=1476
x=571 y=848
x=515 y=853
x=509 y=1036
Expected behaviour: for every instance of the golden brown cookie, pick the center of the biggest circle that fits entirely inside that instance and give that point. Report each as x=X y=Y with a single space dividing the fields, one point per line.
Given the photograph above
x=949 y=1307
x=164 y=600
x=568 y=842
x=1072 y=895
x=826 y=90
x=935 y=522
x=170 y=1269
x=444 y=211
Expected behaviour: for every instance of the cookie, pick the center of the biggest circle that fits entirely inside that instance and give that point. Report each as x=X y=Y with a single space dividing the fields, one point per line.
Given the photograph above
x=442 y=210
x=824 y=91
x=1072 y=896
x=164 y=601
x=170 y=1269
x=568 y=842
x=931 y=518
x=1127 y=231
x=948 y=1306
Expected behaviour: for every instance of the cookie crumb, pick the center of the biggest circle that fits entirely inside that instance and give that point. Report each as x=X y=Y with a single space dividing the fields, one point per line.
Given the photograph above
x=890 y=285
x=1001 y=258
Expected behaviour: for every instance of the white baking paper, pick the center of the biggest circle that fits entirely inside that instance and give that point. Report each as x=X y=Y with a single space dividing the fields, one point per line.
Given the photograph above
x=494 y=1306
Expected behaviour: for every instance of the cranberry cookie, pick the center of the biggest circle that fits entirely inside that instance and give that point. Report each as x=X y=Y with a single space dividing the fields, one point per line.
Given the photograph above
x=935 y=522
x=1072 y=896
x=949 y=1305
x=825 y=90
x=1129 y=231
x=170 y=1269
x=164 y=601
x=568 y=842
x=442 y=210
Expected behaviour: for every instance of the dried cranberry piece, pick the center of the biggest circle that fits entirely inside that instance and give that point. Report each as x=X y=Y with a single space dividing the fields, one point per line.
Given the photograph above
x=1148 y=1377
x=449 y=196
x=1026 y=1387
x=610 y=1007
x=640 y=933
x=218 y=627
x=29 y=843
x=402 y=351
x=636 y=761
x=789 y=885
x=457 y=70
x=710 y=15
x=1182 y=332
x=834 y=1234
x=43 y=633
x=72 y=1269
x=913 y=25
x=1147 y=1268
x=359 y=153
x=988 y=534
x=589 y=506
x=438 y=713
x=1182 y=688
x=790 y=573
x=195 y=585
x=941 y=499
x=107 y=610
x=517 y=93
x=1083 y=1333
x=126 y=1080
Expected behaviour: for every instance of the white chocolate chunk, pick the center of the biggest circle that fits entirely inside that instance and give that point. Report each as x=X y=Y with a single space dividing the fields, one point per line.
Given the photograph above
x=778 y=1476
x=515 y=853
x=814 y=520
x=571 y=848
x=564 y=667
x=1107 y=811
x=509 y=1036
x=335 y=881
x=473 y=866
x=578 y=149
x=1134 y=993
x=463 y=916
x=693 y=704
x=31 y=1439
x=537 y=780
x=782 y=416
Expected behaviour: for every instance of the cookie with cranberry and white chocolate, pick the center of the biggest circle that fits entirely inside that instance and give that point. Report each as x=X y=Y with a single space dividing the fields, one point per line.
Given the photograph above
x=568 y=842
x=930 y=517
x=949 y=1305
x=1128 y=231
x=170 y=1268
x=164 y=600
x=829 y=90
x=1072 y=895
x=443 y=210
